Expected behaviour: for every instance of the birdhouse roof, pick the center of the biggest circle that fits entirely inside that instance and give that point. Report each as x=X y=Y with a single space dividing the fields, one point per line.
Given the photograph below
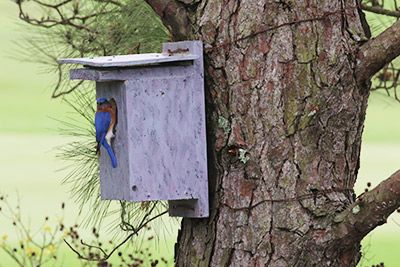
x=129 y=60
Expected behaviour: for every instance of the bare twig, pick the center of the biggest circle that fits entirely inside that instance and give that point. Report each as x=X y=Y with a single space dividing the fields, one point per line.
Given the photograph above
x=75 y=20
x=107 y=256
x=381 y=11
x=76 y=23
x=50 y=5
x=56 y=92
x=388 y=79
x=9 y=253
x=116 y=3
x=29 y=251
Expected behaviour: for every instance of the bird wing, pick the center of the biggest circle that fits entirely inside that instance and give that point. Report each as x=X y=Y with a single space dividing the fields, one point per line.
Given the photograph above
x=102 y=123
x=113 y=104
x=114 y=114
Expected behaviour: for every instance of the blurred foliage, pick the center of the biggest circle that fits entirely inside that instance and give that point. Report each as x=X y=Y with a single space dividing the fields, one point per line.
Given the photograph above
x=41 y=247
x=33 y=247
x=72 y=28
x=381 y=15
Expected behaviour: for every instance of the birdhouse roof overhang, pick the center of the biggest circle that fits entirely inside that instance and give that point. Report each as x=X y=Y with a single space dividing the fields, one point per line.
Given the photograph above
x=176 y=59
x=130 y=60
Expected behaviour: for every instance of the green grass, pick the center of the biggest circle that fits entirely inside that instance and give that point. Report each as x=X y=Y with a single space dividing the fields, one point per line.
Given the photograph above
x=379 y=161
x=382 y=118
x=25 y=95
x=379 y=248
x=28 y=136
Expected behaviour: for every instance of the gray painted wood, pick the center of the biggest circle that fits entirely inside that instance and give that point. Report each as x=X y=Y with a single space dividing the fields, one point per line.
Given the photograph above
x=104 y=75
x=160 y=138
x=129 y=60
x=115 y=181
x=200 y=207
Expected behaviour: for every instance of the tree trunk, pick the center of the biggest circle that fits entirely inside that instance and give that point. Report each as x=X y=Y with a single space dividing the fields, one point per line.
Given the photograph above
x=285 y=118
x=288 y=99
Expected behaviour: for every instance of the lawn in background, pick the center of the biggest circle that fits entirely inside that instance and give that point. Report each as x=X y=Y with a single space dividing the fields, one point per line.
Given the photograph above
x=380 y=157
x=28 y=139
x=28 y=136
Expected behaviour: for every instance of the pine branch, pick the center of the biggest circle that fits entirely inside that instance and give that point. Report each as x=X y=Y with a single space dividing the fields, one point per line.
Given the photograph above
x=49 y=22
x=378 y=52
x=62 y=17
x=113 y=2
x=370 y=210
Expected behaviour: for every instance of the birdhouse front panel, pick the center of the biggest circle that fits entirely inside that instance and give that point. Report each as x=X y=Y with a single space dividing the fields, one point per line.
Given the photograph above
x=111 y=179
x=159 y=140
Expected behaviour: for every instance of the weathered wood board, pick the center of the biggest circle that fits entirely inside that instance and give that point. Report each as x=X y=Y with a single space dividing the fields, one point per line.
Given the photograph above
x=129 y=60
x=160 y=138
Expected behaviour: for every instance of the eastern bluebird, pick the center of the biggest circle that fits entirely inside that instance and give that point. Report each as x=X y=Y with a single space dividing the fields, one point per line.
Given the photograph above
x=104 y=122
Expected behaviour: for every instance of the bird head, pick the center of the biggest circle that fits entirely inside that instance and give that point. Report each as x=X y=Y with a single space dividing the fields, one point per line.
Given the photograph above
x=101 y=101
x=103 y=104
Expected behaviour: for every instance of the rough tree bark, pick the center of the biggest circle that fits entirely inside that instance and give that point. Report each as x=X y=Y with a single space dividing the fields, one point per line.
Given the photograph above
x=287 y=88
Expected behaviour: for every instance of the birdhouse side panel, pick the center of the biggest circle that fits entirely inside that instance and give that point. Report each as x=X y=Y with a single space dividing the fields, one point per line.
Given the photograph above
x=164 y=140
x=114 y=182
x=197 y=208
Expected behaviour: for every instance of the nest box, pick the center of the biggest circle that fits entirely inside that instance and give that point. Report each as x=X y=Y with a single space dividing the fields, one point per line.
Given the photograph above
x=160 y=139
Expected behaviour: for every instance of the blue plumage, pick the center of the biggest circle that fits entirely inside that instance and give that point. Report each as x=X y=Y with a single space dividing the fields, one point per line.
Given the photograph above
x=102 y=123
x=111 y=154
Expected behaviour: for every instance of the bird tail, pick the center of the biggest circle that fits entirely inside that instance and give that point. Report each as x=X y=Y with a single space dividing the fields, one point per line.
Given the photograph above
x=98 y=149
x=111 y=154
